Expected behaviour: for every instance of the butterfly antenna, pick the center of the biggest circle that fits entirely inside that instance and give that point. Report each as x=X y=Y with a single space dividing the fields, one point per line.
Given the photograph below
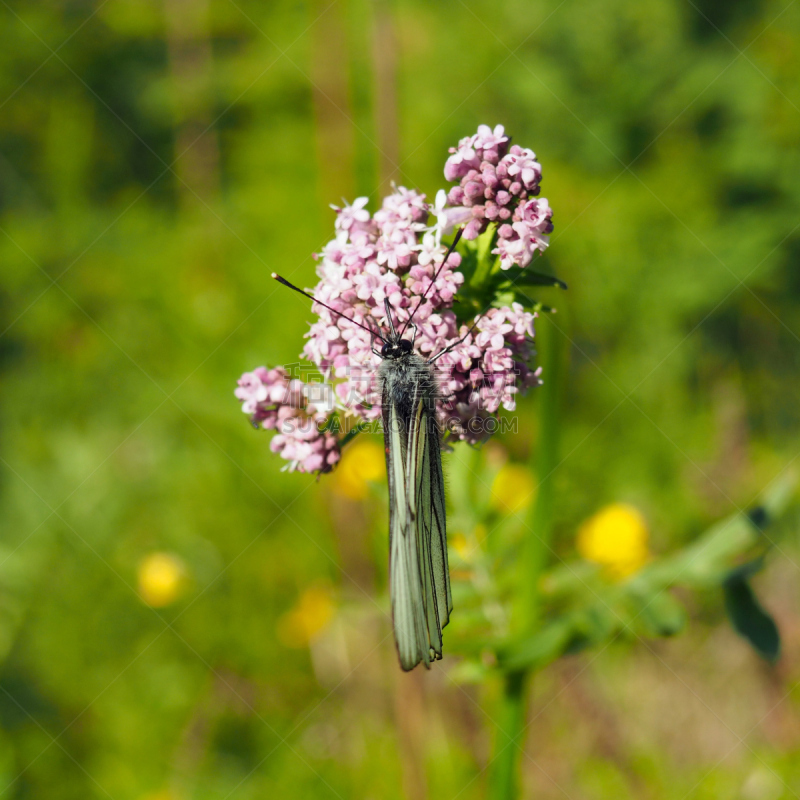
x=324 y=305
x=388 y=307
x=436 y=275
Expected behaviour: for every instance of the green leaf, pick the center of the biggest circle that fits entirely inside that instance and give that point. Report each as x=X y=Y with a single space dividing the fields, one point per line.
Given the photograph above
x=661 y=615
x=468 y=671
x=527 y=277
x=469 y=261
x=536 y=651
x=749 y=618
x=484 y=243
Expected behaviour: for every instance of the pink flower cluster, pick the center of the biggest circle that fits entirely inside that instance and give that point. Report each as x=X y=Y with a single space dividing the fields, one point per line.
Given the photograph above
x=486 y=372
x=390 y=254
x=296 y=410
x=498 y=183
x=393 y=254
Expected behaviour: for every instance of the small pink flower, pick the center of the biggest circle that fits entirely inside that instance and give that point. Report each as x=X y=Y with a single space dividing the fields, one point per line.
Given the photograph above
x=488 y=139
x=252 y=389
x=448 y=218
x=521 y=165
x=537 y=214
x=404 y=210
x=463 y=159
x=517 y=247
x=351 y=218
x=516 y=251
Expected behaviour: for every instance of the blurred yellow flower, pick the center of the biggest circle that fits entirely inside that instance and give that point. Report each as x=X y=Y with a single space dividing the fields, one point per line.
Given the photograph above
x=467 y=547
x=162 y=579
x=314 y=610
x=616 y=537
x=362 y=462
x=164 y=794
x=459 y=543
x=513 y=489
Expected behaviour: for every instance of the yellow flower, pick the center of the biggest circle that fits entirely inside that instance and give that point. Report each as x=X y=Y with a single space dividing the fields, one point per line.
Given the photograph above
x=314 y=610
x=162 y=579
x=616 y=537
x=362 y=463
x=513 y=489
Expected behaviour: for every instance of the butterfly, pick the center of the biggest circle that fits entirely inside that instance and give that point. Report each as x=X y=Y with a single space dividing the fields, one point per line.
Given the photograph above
x=419 y=576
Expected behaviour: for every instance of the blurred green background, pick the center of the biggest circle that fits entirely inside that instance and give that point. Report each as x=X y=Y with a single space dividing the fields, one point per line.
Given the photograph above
x=158 y=159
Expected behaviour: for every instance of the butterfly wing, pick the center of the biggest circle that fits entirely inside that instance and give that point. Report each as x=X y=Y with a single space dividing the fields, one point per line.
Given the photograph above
x=426 y=507
x=431 y=511
x=408 y=606
x=419 y=575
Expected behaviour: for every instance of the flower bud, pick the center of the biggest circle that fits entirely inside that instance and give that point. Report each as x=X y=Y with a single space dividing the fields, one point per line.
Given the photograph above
x=456 y=196
x=474 y=229
x=473 y=190
x=505 y=231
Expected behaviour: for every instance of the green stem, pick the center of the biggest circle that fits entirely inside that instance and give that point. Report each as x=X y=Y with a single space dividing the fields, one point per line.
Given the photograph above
x=535 y=554
x=485 y=259
x=537 y=545
x=510 y=729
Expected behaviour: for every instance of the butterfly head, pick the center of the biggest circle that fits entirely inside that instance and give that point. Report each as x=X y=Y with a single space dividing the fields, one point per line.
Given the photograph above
x=396 y=348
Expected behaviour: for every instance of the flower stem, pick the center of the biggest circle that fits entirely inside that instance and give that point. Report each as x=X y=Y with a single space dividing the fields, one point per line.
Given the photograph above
x=510 y=736
x=510 y=726
x=536 y=547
